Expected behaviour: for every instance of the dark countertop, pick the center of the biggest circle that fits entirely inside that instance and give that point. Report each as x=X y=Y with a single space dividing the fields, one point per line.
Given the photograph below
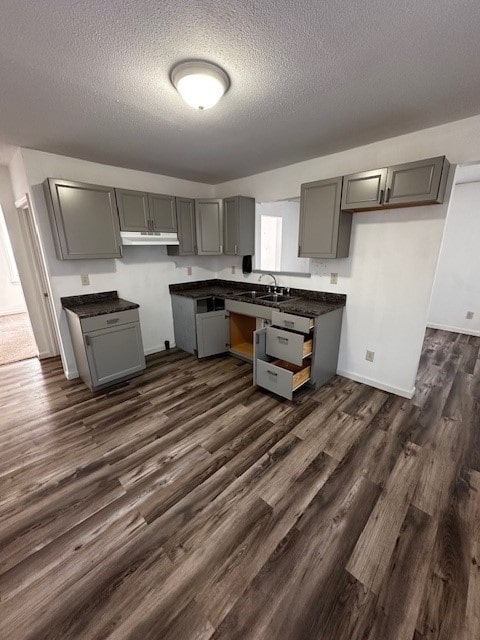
x=97 y=304
x=305 y=303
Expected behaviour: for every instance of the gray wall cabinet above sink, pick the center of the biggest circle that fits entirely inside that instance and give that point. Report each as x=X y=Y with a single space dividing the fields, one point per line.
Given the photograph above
x=324 y=228
x=84 y=220
x=403 y=185
x=139 y=211
x=239 y=226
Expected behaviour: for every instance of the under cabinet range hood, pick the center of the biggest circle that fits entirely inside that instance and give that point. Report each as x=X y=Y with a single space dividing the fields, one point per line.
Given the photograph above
x=149 y=238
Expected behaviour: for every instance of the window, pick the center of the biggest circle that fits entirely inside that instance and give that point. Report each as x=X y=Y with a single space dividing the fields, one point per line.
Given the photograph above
x=271 y=243
x=5 y=240
x=276 y=237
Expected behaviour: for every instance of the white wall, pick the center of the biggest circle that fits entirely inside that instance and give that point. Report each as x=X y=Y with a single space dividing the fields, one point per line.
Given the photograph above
x=457 y=282
x=389 y=275
x=143 y=275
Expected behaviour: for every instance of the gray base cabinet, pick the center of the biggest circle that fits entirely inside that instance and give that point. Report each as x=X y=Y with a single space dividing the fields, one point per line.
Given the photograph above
x=201 y=326
x=324 y=229
x=84 y=220
x=212 y=333
x=108 y=348
x=403 y=185
x=285 y=359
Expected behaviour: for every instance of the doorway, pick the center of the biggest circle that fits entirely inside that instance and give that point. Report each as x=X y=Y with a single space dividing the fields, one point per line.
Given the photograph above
x=17 y=341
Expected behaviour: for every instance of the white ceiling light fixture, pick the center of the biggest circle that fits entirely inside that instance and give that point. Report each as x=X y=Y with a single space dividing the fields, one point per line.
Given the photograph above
x=201 y=84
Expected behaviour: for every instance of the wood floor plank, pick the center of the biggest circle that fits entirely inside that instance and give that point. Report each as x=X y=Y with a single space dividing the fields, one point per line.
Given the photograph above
x=371 y=557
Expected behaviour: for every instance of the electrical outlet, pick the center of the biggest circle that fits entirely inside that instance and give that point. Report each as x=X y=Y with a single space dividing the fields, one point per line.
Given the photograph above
x=189 y=271
x=233 y=270
x=85 y=279
x=469 y=315
x=333 y=278
x=370 y=355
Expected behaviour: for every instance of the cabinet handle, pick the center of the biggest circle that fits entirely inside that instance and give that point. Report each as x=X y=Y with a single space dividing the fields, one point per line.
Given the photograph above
x=236 y=250
x=289 y=323
x=221 y=248
x=272 y=373
x=299 y=249
x=382 y=191
x=113 y=320
x=387 y=195
x=282 y=339
x=87 y=340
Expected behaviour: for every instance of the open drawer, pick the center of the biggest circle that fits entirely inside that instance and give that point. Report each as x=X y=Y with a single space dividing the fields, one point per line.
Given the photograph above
x=282 y=377
x=274 y=374
x=287 y=345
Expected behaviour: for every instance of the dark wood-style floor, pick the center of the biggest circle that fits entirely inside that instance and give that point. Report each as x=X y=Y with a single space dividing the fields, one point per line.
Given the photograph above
x=186 y=504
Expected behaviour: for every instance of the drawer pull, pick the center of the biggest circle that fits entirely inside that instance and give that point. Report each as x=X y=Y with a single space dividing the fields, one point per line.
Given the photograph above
x=282 y=339
x=272 y=373
x=289 y=323
x=113 y=320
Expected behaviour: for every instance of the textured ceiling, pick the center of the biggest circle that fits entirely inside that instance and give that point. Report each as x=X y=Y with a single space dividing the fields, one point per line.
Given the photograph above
x=90 y=78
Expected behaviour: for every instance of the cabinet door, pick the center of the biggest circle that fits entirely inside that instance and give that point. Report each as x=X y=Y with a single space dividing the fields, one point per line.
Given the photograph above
x=162 y=212
x=187 y=234
x=323 y=232
x=132 y=210
x=239 y=226
x=415 y=182
x=212 y=333
x=84 y=220
x=114 y=353
x=230 y=226
x=364 y=190
x=209 y=220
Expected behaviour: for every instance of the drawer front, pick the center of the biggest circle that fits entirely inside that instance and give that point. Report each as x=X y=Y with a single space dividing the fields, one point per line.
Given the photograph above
x=290 y=321
x=285 y=345
x=249 y=309
x=109 y=320
x=275 y=379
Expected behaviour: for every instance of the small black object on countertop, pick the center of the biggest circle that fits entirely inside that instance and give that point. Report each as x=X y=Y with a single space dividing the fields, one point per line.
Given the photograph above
x=302 y=302
x=97 y=304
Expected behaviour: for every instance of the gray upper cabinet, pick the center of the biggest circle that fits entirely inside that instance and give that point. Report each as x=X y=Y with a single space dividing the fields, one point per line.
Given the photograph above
x=139 y=211
x=162 y=213
x=239 y=226
x=403 y=185
x=187 y=233
x=209 y=222
x=417 y=182
x=84 y=220
x=324 y=228
x=133 y=210
x=364 y=190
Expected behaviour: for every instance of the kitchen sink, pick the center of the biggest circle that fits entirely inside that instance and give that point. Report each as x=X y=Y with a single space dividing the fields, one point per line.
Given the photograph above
x=251 y=295
x=276 y=297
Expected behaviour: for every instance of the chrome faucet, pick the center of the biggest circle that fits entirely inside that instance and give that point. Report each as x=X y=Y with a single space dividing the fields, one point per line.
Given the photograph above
x=274 y=280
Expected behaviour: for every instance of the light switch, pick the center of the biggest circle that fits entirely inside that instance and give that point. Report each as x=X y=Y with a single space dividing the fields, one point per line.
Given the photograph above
x=469 y=315
x=85 y=279
x=333 y=278
x=189 y=271
x=370 y=355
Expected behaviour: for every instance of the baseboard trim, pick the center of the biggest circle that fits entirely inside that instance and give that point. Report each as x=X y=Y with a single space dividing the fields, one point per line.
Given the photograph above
x=444 y=327
x=152 y=350
x=71 y=375
x=405 y=393
x=12 y=312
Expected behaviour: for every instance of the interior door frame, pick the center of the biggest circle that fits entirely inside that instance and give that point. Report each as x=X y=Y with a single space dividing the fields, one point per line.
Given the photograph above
x=38 y=295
